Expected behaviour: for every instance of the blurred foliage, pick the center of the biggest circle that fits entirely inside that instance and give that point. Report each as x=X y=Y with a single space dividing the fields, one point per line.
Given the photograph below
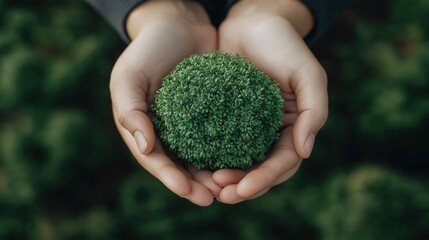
x=65 y=173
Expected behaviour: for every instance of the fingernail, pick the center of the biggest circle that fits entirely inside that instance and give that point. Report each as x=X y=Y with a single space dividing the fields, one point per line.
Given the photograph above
x=309 y=143
x=141 y=141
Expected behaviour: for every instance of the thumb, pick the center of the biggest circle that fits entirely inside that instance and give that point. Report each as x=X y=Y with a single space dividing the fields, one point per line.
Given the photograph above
x=139 y=125
x=310 y=86
x=130 y=109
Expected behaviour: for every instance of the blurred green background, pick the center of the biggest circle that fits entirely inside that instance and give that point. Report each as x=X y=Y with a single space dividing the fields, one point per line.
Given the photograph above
x=66 y=174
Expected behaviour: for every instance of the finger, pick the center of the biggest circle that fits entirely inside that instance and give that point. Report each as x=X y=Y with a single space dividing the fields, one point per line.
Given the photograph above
x=172 y=177
x=289 y=119
x=289 y=106
x=130 y=107
x=229 y=195
x=225 y=177
x=310 y=86
x=259 y=194
x=161 y=167
x=140 y=126
x=282 y=159
x=287 y=175
x=165 y=170
x=199 y=195
x=205 y=178
x=176 y=177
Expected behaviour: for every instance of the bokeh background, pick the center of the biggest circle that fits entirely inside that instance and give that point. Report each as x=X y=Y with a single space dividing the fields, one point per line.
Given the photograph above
x=66 y=174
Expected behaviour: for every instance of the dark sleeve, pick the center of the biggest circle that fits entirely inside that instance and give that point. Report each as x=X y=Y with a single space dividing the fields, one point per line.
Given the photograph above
x=116 y=13
x=325 y=13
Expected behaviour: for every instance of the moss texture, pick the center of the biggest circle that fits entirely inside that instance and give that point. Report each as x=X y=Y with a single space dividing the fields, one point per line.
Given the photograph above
x=216 y=111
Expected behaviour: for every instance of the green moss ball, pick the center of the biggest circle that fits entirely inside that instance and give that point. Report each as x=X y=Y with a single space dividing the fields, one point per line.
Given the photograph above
x=216 y=111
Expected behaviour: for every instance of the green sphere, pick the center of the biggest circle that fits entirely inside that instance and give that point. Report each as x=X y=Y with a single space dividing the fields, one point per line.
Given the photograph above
x=216 y=111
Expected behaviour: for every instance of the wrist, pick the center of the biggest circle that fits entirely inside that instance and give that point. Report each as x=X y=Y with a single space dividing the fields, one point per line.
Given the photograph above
x=145 y=13
x=298 y=14
x=294 y=12
x=133 y=22
x=173 y=11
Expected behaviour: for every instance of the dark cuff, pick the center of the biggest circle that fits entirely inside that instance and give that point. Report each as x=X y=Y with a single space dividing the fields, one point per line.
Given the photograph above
x=116 y=13
x=325 y=12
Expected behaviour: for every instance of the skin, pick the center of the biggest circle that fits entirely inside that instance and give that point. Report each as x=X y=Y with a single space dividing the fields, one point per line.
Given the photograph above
x=269 y=34
x=164 y=32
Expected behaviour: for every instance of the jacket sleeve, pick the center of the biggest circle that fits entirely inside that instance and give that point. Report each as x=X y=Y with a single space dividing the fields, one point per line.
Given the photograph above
x=116 y=13
x=325 y=13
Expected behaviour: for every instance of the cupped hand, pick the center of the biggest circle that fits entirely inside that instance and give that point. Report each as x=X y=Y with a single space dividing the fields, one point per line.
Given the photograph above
x=163 y=33
x=273 y=42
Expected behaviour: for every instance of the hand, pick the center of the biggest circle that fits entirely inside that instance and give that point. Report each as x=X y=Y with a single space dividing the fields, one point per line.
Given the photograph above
x=269 y=34
x=163 y=33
